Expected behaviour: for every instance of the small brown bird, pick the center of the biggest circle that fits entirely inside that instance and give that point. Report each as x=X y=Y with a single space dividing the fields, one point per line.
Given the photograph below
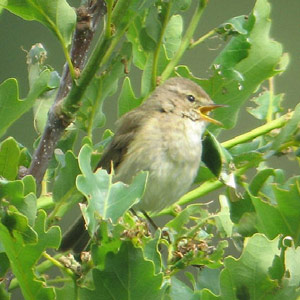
x=164 y=137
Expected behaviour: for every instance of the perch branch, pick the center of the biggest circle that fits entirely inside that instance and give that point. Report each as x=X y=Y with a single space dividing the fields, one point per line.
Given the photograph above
x=88 y=18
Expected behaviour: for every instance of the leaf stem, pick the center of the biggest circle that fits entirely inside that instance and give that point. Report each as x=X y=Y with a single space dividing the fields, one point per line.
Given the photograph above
x=278 y=123
x=58 y=264
x=69 y=62
x=158 y=46
x=186 y=40
x=203 y=38
x=61 y=40
x=99 y=57
x=41 y=268
x=271 y=100
x=63 y=205
x=108 y=18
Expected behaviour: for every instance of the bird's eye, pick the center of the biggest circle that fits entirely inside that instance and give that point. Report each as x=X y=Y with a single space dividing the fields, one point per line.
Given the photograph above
x=191 y=98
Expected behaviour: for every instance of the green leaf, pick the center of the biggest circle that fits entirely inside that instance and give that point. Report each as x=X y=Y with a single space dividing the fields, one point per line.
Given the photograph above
x=110 y=241
x=17 y=224
x=247 y=277
x=21 y=194
x=208 y=279
x=292 y=259
x=180 y=5
x=247 y=60
x=173 y=35
x=133 y=8
x=213 y=154
x=177 y=225
x=287 y=132
x=11 y=107
x=223 y=221
x=9 y=159
x=106 y=199
x=146 y=85
x=139 y=55
x=247 y=152
x=65 y=182
x=90 y=115
x=57 y=15
x=127 y=275
x=36 y=58
x=233 y=26
x=4 y=295
x=150 y=34
x=259 y=180
x=4 y=265
x=127 y=100
x=151 y=251
x=263 y=102
x=263 y=181
x=68 y=291
x=179 y=290
x=278 y=268
x=285 y=214
x=23 y=257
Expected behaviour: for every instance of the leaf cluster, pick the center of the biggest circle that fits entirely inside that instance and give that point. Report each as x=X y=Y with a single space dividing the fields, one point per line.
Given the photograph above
x=258 y=215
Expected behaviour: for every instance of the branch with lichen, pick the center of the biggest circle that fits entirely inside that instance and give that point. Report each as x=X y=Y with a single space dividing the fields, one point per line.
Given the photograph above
x=88 y=19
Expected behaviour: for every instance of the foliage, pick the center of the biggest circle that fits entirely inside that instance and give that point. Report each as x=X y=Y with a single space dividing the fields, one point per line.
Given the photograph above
x=260 y=216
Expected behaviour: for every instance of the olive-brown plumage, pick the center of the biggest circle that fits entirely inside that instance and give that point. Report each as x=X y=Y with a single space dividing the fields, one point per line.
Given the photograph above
x=164 y=137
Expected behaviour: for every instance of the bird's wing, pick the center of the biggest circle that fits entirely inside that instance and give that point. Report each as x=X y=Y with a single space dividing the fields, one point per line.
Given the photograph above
x=127 y=127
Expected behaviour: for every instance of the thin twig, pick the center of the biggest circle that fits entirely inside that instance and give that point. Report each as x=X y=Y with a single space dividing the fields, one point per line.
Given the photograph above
x=203 y=38
x=159 y=43
x=185 y=41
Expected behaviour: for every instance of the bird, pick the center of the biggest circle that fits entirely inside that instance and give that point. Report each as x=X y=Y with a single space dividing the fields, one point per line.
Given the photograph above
x=162 y=136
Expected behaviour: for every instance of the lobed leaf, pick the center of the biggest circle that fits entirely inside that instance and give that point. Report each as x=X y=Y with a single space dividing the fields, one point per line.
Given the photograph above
x=288 y=131
x=23 y=257
x=64 y=185
x=223 y=221
x=90 y=115
x=173 y=35
x=11 y=107
x=57 y=15
x=127 y=275
x=106 y=199
x=127 y=100
x=21 y=194
x=263 y=102
x=9 y=159
x=247 y=276
x=248 y=59
x=285 y=213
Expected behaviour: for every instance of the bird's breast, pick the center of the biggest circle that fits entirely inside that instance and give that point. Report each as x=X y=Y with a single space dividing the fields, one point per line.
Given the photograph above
x=185 y=144
x=170 y=150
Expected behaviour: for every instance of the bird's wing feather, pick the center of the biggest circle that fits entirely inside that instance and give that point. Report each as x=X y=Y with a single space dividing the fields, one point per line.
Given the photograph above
x=127 y=127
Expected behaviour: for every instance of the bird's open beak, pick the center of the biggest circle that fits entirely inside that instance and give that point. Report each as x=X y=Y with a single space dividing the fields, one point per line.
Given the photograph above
x=205 y=110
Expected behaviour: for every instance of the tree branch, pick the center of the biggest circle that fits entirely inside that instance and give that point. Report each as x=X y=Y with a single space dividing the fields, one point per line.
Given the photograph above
x=88 y=18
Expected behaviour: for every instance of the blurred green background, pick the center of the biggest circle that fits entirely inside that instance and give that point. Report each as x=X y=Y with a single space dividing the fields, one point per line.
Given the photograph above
x=18 y=35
